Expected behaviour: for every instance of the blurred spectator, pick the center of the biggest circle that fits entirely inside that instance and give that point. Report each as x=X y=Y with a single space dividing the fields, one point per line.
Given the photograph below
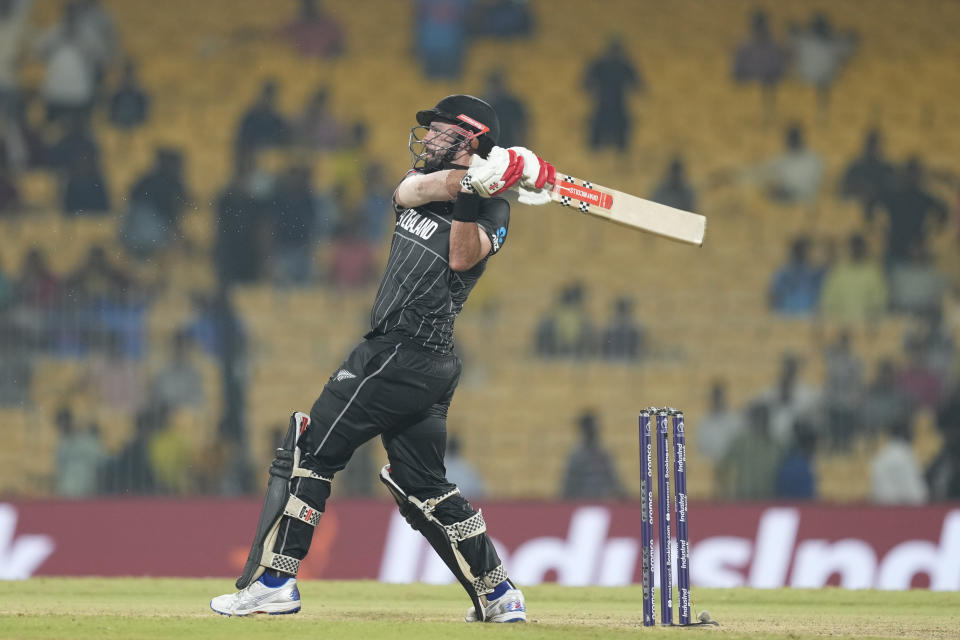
x=79 y=457
x=101 y=296
x=896 y=476
x=179 y=383
x=566 y=330
x=460 y=472
x=345 y=166
x=77 y=146
x=842 y=391
x=922 y=383
x=215 y=327
x=85 y=190
x=795 y=287
x=441 y=37
x=884 y=402
x=97 y=281
x=501 y=19
x=354 y=257
x=263 y=126
x=129 y=104
x=510 y=109
x=608 y=80
x=317 y=127
x=623 y=338
x=856 y=290
x=9 y=193
x=908 y=206
x=294 y=218
x=96 y=24
x=590 y=472
x=130 y=471
x=761 y=59
x=916 y=287
x=720 y=426
x=943 y=473
x=14 y=22
x=792 y=177
x=16 y=366
x=939 y=345
x=375 y=207
x=238 y=249
x=37 y=287
x=790 y=401
x=171 y=459
x=866 y=177
x=111 y=378
x=796 y=479
x=818 y=54
x=72 y=57
x=749 y=469
x=157 y=201
x=675 y=189
x=314 y=33
x=22 y=143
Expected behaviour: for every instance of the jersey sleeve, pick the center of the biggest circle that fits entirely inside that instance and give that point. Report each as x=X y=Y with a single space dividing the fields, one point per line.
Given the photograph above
x=494 y=219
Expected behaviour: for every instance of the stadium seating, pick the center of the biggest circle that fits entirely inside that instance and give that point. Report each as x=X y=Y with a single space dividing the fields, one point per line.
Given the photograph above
x=705 y=310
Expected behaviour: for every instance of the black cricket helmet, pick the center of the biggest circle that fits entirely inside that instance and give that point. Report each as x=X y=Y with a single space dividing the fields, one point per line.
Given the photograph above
x=472 y=119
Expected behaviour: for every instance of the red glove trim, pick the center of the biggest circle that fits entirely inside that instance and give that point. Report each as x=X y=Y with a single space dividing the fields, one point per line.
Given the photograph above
x=548 y=173
x=513 y=172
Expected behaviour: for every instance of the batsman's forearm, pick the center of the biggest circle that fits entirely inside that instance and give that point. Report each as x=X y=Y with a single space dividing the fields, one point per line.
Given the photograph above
x=440 y=186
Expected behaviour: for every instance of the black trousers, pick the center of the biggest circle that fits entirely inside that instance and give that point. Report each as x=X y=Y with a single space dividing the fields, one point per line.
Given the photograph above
x=390 y=388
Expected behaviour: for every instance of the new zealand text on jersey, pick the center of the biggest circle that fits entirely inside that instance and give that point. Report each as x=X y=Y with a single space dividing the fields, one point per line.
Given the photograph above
x=416 y=224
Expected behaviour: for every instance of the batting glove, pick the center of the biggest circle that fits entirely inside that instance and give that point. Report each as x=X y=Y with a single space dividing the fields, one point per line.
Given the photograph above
x=537 y=172
x=501 y=169
x=534 y=197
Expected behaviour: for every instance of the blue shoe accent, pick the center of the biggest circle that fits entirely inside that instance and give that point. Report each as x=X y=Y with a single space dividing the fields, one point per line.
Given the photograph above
x=273 y=582
x=498 y=591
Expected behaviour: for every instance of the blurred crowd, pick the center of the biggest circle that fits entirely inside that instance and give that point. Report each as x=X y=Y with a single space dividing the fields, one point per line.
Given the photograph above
x=307 y=204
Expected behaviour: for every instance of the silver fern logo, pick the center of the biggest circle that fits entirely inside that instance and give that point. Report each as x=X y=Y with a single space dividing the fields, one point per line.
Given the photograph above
x=342 y=375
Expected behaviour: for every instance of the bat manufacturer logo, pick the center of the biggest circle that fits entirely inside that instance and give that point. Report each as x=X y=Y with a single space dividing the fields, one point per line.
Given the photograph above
x=583 y=194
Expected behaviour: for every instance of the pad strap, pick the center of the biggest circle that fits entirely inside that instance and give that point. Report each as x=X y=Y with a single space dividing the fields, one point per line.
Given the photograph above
x=280 y=562
x=297 y=508
x=472 y=526
x=430 y=504
x=489 y=580
x=300 y=472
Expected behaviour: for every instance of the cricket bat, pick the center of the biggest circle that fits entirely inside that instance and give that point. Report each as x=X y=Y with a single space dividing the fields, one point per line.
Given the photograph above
x=629 y=211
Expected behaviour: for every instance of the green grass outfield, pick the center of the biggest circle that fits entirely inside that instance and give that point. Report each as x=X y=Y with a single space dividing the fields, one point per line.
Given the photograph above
x=81 y=608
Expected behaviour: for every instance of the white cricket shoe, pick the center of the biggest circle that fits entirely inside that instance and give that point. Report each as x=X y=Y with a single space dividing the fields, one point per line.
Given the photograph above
x=259 y=598
x=509 y=607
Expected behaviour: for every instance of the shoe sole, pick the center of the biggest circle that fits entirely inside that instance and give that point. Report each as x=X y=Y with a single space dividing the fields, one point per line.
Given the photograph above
x=494 y=620
x=255 y=612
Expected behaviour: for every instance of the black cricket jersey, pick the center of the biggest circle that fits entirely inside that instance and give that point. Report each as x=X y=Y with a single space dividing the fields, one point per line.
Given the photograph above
x=420 y=295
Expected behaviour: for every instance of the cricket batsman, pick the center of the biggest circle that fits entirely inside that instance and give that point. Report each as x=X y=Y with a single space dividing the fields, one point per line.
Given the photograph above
x=399 y=381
